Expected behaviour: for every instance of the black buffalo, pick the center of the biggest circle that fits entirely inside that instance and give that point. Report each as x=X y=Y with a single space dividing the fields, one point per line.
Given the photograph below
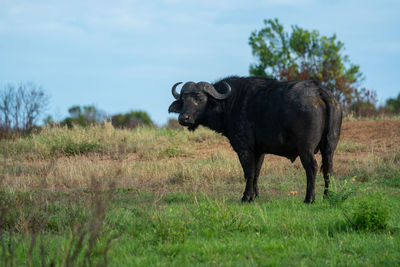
x=260 y=115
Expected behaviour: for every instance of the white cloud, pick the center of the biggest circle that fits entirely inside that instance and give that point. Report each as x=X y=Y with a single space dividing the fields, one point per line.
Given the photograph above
x=76 y=16
x=72 y=17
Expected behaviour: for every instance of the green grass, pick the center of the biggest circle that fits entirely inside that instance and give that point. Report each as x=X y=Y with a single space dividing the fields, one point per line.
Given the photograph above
x=350 y=147
x=161 y=197
x=184 y=229
x=382 y=117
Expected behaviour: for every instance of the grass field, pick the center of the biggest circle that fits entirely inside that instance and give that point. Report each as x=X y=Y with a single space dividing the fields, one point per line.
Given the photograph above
x=99 y=196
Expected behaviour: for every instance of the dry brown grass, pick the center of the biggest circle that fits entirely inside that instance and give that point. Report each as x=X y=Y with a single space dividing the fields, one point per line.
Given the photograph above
x=164 y=160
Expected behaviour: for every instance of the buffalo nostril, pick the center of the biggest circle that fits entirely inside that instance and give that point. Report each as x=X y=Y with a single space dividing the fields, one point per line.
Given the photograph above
x=183 y=118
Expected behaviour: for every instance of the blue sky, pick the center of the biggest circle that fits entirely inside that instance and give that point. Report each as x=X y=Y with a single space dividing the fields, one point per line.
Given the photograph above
x=125 y=55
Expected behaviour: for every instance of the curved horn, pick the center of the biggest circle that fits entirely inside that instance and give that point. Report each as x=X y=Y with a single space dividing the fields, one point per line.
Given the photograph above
x=174 y=93
x=214 y=93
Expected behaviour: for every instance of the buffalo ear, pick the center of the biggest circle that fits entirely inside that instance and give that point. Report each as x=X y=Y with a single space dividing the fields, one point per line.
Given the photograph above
x=175 y=107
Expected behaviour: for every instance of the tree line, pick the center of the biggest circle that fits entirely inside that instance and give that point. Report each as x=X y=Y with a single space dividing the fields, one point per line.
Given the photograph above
x=21 y=107
x=89 y=115
x=299 y=54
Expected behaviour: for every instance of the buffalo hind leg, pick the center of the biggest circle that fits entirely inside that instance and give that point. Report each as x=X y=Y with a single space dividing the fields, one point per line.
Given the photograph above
x=246 y=159
x=327 y=166
x=259 y=159
x=310 y=166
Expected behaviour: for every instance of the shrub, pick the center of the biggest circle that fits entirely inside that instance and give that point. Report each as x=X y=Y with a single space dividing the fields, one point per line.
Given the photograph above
x=340 y=193
x=370 y=215
x=364 y=108
x=172 y=152
x=393 y=104
x=72 y=148
x=131 y=120
x=173 y=124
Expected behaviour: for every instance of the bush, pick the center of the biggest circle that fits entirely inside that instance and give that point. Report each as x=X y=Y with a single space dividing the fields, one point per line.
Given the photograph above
x=71 y=149
x=393 y=104
x=131 y=120
x=173 y=124
x=172 y=152
x=364 y=108
x=340 y=193
x=370 y=215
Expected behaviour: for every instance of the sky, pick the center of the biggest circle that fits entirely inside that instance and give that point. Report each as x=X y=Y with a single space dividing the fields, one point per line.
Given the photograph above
x=125 y=55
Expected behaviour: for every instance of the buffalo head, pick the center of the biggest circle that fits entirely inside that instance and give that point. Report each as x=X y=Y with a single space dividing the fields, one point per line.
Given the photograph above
x=191 y=103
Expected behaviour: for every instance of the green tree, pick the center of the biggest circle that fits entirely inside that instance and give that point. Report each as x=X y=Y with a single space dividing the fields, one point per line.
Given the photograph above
x=49 y=120
x=393 y=104
x=84 y=116
x=131 y=120
x=306 y=55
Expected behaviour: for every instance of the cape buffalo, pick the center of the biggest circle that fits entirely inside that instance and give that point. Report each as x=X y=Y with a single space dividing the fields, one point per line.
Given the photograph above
x=260 y=115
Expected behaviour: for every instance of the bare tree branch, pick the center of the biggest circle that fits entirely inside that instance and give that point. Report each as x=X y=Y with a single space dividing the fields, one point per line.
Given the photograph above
x=21 y=107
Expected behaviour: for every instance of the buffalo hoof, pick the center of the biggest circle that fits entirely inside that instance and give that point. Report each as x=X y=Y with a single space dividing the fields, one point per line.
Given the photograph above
x=247 y=198
x=309 y=201
x=256 y=195
x=326 y=194
x=310 y=198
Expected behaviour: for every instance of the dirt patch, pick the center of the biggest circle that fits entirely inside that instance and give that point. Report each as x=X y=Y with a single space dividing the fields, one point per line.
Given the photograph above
x=382 y=135
x=372 y=137
x=371 y=131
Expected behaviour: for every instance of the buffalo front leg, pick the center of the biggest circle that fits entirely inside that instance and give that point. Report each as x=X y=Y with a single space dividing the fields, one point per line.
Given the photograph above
x=259 y=159
x=248 y=164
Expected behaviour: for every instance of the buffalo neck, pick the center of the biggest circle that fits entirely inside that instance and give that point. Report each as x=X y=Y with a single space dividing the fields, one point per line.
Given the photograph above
x=216 y=115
